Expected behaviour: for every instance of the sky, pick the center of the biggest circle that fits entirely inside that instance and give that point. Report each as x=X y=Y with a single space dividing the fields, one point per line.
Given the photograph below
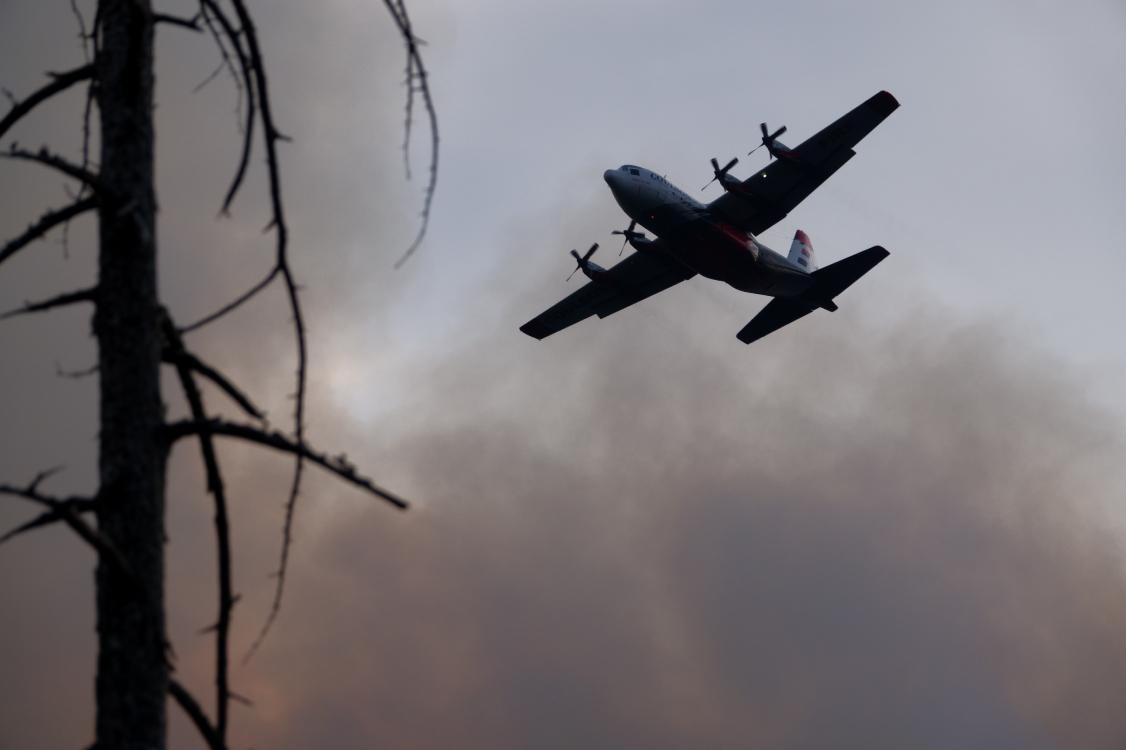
x=897 y=525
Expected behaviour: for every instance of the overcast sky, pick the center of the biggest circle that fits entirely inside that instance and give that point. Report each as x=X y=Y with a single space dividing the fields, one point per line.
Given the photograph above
x=899 y=525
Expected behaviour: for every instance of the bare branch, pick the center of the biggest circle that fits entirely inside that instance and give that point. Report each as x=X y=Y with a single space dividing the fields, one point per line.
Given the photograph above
x=175 y=347
x=47 y=159
x=76 y=374
x=272 y=135
x=201 y=368
x=70 y=298
x=186 y=23
x=91 y=89
x=67 y=510
x=417 y=81
x=46 y=223
x=59 y=82
x=232 y=305
x=82 y=36
x=87 y=110
x=41 y=477
x=47 y=517
x=31 y=491
x=338 y=465
x=195 y=713
x=246 y=68
x=241 y=699
x=225 y=62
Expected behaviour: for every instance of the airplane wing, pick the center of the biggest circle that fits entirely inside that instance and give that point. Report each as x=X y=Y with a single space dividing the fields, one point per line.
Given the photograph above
x=766 y=197
x=641 y=275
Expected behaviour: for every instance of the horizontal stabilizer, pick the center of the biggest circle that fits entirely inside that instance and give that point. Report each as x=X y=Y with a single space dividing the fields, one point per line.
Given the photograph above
x=836 y=277
x=828 y=283
x=779 y=312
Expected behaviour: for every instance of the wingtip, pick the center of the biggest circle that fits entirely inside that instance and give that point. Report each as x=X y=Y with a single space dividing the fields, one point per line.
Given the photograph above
x=885 y=102
x=532 y=330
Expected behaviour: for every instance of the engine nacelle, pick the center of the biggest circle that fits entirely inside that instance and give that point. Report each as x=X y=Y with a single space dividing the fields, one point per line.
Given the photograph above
x=640 y=242
x=729 y=183
x=591 y=270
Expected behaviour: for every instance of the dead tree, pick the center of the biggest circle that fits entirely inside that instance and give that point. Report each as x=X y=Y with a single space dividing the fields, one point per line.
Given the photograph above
x=123 y=520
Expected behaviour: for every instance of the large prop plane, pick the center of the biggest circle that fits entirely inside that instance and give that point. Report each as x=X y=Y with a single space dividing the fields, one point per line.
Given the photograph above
x=718 y=240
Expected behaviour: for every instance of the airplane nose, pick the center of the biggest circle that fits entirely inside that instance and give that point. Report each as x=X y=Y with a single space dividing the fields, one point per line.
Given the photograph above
x=613 y=178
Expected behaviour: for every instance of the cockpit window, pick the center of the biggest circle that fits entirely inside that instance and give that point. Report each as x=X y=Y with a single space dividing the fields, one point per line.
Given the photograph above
x=634 y=171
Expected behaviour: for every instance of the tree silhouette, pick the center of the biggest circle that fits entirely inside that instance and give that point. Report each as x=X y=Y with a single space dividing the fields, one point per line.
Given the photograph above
x=123 y=520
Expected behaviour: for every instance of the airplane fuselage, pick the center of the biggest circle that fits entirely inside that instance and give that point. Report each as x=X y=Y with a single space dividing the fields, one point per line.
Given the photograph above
x=718 y=240
x=689 y=233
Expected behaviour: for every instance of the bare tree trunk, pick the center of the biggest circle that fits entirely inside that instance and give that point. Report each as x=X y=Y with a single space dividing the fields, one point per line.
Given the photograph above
x=132 y=678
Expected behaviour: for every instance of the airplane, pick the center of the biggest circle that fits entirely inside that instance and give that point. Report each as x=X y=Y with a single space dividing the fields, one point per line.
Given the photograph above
x=719 y=240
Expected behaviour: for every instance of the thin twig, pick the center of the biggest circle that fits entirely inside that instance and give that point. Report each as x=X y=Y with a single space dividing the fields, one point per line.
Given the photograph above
x=61 y=300
x=246 y=66
x=76 y=374
x=59 y=82
x=233 y=304
x=47 y=159
x=46 y=223
x=53 y=515
x=91 y=95
x=195 y=713
x=65 y=508
x=31 y=492
x=175 y=348
x=201 y=368
x=224 y=63
x=86 y=112
x=88 y=40
x=417 y=82
x=81 y=29
x=272 y=135
x=186 y=23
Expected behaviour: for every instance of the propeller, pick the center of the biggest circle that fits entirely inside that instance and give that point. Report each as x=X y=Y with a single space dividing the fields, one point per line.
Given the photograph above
x=581 y=261
x=720 y=173
x=767 y=138
x=627 y=235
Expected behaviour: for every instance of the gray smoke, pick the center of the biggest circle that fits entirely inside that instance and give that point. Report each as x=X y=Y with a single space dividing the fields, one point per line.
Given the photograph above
x=861 y=535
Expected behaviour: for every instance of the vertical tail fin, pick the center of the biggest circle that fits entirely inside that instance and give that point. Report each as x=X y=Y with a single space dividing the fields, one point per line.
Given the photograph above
x=801 y=252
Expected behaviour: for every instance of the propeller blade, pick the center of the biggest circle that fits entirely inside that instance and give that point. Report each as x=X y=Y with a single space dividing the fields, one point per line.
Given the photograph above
x=625 y=235
x=756 y=148
x=578 y=263
x=718 y=172
x=778 y=132
x=765 y=132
